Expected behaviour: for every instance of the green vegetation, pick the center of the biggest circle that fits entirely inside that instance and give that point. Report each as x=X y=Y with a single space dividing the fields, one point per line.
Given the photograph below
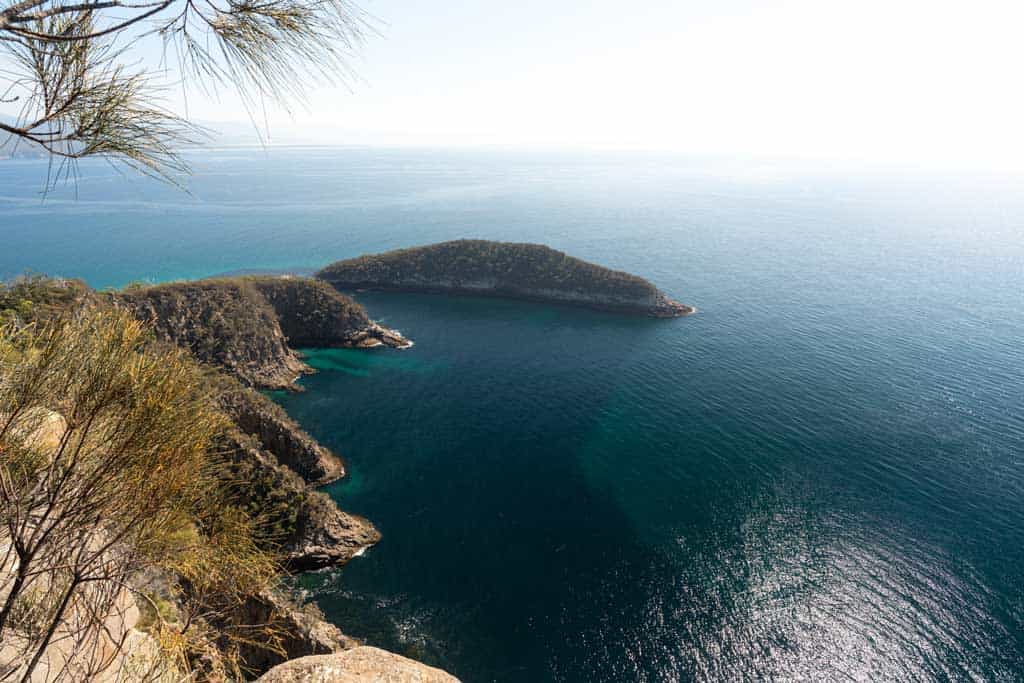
x=225 y=323
x=265 y=492
x=154 y=611
x=505 y=269
x=81 y=92
x=32 y=298
x=508 y=266
x=311 y=312
x=247 y=324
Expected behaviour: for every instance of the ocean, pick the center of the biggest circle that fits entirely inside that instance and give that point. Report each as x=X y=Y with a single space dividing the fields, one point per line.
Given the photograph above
x=820 y=475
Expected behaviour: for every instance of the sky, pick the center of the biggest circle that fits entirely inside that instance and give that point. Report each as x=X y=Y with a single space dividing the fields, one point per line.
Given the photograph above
x=901 y=80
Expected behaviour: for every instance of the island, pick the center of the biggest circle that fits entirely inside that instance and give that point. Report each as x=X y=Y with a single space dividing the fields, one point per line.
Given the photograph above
x=504 y=269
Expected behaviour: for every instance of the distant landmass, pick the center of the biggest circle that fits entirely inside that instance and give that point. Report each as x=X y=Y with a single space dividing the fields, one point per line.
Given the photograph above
x=504 y=269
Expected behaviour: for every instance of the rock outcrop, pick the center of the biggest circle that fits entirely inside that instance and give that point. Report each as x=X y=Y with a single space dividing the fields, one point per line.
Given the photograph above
x=310 y=529
x=520 y=271
x=327 y=536
x=226 y=323
x=260 y=417
x=250 y=325
x=314 y=314
x=301 y=630
x=359 y=665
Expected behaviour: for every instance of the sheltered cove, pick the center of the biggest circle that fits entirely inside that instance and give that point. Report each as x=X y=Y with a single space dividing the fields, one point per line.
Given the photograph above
x=245 y=330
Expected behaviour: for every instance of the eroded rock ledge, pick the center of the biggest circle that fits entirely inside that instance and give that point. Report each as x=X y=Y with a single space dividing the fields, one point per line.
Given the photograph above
x=260 y=417
x=504 y=269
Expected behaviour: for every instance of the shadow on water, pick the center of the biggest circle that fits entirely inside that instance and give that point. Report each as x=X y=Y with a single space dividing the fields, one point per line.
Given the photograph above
x=510 y=583
x=500 y=559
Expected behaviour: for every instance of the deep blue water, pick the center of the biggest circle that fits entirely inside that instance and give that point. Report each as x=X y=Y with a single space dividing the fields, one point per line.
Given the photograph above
x=818 y=476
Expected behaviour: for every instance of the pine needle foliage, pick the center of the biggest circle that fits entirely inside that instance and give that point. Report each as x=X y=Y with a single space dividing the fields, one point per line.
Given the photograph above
x=70 y=69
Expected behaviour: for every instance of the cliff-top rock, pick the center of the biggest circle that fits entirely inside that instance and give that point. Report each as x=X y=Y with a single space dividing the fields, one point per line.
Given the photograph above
x=522 y=271
x=358 y=665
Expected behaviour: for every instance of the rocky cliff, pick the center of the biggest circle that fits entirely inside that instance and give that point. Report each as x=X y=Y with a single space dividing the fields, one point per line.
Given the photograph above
x=240 y=329
x=302 y=630
x=250 y=325
x=306 y=525
x=226 y=323
x=231 y=327
x=243 y=326
x=314 y=314
x=256 y=415
x=522 y=271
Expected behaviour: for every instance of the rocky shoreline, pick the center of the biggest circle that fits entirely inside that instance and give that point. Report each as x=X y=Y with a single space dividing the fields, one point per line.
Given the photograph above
x=664 y=308
x=236 y=329
x=247 y=329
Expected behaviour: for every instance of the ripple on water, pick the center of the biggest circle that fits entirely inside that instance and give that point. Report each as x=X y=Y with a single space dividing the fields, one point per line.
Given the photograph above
x=784 y=604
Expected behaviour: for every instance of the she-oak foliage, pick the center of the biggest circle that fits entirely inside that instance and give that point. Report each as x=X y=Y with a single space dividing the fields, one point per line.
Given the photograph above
x=107 y=470
x=69 y=68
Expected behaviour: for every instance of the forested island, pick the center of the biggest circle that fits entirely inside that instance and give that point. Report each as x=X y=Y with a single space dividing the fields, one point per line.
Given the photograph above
x=504 y=269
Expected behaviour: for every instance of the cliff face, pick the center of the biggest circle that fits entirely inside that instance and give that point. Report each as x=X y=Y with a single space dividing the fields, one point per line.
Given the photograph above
x=523 y=271
x=302 y=629
x=311 y=313
x=249 y=325
x=256 y=415
x=305 y=524
x=314 y=314
x=223 y=323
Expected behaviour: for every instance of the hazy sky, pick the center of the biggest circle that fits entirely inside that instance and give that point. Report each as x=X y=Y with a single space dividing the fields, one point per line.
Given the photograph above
x=893 y=79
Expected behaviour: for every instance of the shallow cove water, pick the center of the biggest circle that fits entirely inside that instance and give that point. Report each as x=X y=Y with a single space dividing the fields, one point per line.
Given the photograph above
x=819 y=475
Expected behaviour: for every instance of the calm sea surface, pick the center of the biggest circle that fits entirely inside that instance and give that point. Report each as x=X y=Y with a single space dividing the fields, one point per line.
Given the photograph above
x=819 y=476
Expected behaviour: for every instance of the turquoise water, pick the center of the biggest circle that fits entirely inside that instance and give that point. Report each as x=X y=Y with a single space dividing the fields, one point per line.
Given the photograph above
x=820 y=475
